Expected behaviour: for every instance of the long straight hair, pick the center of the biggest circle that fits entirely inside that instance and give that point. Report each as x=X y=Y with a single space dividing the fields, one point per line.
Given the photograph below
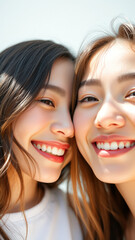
x=104 y=211
x=25 y=69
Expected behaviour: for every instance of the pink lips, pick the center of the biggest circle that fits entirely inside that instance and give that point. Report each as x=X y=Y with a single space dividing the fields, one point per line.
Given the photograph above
x=109 y=139
x=53 y=144
x=49 y=156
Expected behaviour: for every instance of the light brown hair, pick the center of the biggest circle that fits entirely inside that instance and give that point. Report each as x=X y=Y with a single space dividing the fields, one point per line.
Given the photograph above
x=104 y=211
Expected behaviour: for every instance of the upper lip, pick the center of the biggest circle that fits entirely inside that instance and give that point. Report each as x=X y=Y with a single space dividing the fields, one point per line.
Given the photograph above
x=53 y=143
x=110 y=138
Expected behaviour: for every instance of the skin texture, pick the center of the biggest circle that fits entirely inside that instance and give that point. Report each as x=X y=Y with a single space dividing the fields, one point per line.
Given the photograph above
x=105 y=112
x=106 y=107
x=45 y=121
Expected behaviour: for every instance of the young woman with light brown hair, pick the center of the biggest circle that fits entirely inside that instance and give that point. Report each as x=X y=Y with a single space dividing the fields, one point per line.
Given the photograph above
x=104 y=120
x=35 y=131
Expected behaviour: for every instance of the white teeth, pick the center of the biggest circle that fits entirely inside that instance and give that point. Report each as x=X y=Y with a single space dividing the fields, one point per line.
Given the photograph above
x=49 y=149
x=127 y=144
x=121 y=145
x=114 y=145
x=54 y=151
x=43 y=148
x=60 y=152
x=38 y=146
x=102 y=146
x=106 y=146
x=99 y=146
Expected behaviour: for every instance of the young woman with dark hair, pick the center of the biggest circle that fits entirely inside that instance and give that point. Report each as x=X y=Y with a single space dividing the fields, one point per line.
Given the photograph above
x=35 y=129
x=104 y=120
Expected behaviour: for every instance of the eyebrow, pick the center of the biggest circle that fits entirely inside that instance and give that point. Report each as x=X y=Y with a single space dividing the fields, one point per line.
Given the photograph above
x=126 y=77
x=56 y=89
x=90 y=82
x=96 y=82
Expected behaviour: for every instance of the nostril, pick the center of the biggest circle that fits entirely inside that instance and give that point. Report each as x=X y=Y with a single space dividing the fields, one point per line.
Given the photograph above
x=112 y=124
x=60 y=132
x=98 y=124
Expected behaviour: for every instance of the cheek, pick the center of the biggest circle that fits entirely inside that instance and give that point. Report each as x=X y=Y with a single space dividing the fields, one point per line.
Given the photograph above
x=82 y=123
x=130 y=111
x=30 y=123
x=82 y=129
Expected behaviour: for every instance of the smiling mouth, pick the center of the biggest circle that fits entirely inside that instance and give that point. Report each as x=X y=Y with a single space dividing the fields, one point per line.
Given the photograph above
x=112 y=149
x=111 y=146
x=49 y=149
x=54 y=151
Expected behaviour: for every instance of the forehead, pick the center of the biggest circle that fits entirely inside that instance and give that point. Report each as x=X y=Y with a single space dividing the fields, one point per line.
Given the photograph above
x=61 y=78
x=62 y=71
x=114 y=57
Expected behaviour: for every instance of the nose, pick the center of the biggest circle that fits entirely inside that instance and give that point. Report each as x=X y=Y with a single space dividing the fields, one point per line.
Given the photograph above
x=109 y=116
x=63 y=125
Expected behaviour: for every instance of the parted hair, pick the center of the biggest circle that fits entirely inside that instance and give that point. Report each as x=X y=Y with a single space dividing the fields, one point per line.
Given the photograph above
x=25 y=69
x=104 y=211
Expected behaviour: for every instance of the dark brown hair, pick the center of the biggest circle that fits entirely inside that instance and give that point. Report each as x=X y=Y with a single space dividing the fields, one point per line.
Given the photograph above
x=104 y=210
x=24 y=70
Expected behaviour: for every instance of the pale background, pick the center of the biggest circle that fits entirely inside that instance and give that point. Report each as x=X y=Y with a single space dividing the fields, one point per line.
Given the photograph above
x=65 y=21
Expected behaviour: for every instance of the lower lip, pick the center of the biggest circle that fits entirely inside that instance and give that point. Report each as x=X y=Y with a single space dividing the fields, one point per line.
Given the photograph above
x=111 y=153
x=50 y=157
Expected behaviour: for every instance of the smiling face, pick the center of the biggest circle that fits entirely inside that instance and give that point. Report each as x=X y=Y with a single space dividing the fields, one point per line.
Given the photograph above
x=104 y=117
x=45 y=127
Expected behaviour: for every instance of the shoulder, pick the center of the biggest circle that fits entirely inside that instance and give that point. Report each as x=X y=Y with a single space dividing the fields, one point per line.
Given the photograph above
x=66 y=212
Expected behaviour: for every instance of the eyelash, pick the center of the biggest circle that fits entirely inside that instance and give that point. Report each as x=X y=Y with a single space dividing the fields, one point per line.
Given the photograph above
x=47 y=102
x=92 y=99
x=130 y=94
x=88 y=99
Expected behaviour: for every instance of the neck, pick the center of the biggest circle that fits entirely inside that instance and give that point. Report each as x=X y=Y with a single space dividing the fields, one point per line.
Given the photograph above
x=32 y=193
x=128 y=193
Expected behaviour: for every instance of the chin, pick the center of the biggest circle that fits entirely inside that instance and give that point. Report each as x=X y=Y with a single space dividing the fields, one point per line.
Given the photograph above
x=49 y=177
x=112 y=178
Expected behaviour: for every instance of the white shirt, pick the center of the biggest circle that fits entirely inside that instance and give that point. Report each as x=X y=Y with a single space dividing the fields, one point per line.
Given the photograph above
x=51 y=219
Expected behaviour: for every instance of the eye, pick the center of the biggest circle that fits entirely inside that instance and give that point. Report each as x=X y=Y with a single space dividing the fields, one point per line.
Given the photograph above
x=47 y=102
x=131 y=94
x=88 y=99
